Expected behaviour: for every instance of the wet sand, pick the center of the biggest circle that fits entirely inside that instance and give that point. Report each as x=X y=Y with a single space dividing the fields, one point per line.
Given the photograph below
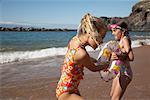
x=37 y=79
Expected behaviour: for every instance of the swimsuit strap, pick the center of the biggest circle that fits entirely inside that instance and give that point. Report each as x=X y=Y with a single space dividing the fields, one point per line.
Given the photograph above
x=79 y=41
x=76 y=38
x=72 y=51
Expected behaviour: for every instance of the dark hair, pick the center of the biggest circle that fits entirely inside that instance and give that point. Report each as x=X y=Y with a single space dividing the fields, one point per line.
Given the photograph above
x=123 y=25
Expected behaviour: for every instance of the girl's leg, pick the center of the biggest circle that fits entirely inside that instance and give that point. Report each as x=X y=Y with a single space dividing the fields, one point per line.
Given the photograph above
x=75 y=97
x=116 y=90
x=120 y=87
x=113 y=86
x=67 y=96
x=124 y=82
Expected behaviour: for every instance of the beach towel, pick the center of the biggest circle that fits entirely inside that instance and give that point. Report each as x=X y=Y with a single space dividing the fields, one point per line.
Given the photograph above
x=104 y=59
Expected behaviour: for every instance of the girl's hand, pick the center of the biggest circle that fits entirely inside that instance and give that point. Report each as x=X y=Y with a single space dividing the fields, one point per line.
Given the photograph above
x=114 y=56
x=93 y=60
x=102 y=67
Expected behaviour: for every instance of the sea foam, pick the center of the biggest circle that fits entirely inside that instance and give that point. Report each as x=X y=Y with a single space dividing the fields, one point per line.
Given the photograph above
x=7 y=57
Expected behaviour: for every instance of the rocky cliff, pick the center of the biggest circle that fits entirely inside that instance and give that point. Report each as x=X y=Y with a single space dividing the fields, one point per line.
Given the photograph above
x=138 y=20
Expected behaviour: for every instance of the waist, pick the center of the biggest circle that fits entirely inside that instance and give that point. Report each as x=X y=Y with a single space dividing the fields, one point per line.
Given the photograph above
x=125 y=63
x=73 y=70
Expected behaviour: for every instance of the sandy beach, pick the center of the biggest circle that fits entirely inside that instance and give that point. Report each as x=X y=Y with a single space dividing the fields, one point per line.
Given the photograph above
x=37 y=79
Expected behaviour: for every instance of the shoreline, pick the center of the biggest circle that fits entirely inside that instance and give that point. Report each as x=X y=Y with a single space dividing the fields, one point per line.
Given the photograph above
x=37 y=79
x=66 y=30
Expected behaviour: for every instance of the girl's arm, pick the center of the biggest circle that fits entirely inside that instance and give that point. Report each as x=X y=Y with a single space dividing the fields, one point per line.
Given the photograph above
x=128 y=49
x=93 y=60
x=83 y=58
x=127 y=53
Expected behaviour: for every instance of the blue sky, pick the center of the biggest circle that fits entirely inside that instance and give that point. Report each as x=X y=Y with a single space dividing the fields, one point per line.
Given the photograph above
x=46 y=13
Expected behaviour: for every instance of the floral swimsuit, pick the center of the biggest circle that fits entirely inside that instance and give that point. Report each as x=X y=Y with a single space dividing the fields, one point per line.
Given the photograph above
x=125 y=65
x=72 y=73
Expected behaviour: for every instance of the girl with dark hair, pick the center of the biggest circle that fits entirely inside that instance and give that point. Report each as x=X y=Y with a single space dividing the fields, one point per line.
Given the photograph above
x=120 y=83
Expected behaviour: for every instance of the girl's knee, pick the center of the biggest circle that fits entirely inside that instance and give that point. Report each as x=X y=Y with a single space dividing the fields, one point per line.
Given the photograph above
x=110 y=94
x=75 y=97
x=64 y=96
x=114 y=97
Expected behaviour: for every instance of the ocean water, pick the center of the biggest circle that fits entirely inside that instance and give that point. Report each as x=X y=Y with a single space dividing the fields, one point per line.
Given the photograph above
x=18 y=46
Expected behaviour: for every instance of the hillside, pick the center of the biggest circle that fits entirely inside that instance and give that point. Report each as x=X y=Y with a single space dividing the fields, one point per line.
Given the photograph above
x=138 y=20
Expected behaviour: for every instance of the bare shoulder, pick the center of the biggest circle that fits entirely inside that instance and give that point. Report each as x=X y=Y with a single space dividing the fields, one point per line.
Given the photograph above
x=127 y=44
x=125 y=41
x=81 y=55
